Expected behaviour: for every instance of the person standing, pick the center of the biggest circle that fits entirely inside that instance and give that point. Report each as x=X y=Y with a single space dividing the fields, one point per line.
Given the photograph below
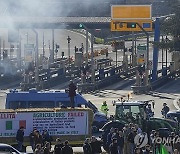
x=176 y=151
x=149 y=112
x=147 y=149
x=126 y=131
x=67 y=149
x=87 y=147
x=20 y=137
x=121 y=142
x=72 y=93
x=58 y=146
x=165 y=110
x=38 y=138
x=153 y=104
x=45 y=137
x=131 y=137
x=138 y=151
x=38 y=149
x=109 y=137
x=113 y=148
x=47 y=148
x=104 y=108
x=95 y=145
x=32 y=139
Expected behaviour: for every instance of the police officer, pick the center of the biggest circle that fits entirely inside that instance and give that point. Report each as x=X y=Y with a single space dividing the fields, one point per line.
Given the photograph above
x=104 y=108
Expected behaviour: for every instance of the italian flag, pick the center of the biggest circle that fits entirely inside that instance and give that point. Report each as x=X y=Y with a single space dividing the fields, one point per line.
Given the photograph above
x=163 y=150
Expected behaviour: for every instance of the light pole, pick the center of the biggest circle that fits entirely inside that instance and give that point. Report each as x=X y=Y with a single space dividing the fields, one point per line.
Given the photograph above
x=92 y=52
x=92 y=59
x=162 y=53
x=86 y=47
x=133 y=51
x=147 y=58
x=0 y=48
x=166 y=54
x=43 y=46
x=27 y=37
x=19 y=52
x=69 y=41
x=116 y=52
x=51 y=57
x=36 y=58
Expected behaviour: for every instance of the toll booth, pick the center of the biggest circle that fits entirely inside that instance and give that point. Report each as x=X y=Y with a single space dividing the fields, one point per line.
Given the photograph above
x=78 y=59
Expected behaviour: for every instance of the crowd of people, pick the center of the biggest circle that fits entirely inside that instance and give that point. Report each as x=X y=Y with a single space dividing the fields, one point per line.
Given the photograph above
x=122 y=141
x=92 y=146
x=41 y=144
x=118 y=141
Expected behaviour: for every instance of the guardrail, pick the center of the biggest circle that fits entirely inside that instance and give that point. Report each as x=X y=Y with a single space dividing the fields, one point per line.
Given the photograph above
x=127 y=37
x=163 y=79
x=50 y=77
x=106 y=78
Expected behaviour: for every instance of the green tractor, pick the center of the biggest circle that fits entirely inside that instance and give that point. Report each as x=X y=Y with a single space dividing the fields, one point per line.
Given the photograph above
x=135 y=112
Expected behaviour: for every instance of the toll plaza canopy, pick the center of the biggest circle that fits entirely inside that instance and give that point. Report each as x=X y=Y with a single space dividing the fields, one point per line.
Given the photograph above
x=55 y=22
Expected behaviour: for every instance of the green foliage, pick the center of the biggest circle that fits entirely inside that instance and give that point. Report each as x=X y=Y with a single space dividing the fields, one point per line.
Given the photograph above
x=98 y=40
x=171 y=26
x=164 y=45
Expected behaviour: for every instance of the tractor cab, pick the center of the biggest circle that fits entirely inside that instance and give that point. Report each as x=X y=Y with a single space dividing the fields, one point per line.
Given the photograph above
x=130 y=111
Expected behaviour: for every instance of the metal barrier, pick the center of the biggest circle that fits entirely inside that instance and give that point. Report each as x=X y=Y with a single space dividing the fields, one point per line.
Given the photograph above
x=106 y=77
x=162 y=79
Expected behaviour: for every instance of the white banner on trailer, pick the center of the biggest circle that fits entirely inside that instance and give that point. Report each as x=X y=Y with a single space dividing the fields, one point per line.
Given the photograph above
x=56 y=123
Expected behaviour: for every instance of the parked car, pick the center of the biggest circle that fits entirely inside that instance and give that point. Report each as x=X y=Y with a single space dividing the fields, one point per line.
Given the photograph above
x=6 y=148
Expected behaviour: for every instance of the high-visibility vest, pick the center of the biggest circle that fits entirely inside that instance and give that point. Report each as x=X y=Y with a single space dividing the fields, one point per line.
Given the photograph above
x=104 y=109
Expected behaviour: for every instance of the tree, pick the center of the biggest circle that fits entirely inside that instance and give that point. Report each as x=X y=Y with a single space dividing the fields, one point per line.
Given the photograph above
x=171 y=26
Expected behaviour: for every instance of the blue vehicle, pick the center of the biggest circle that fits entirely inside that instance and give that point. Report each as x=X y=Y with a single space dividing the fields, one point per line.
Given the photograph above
x=51 y=99
x=174 y=115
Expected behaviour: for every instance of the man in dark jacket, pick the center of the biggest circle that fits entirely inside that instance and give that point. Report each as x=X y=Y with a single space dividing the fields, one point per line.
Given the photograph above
x=95 y=145
x=67 y=149
x=87 y=147
x=109 y=137
x=72 y=92
x=46 y=137
x=165 y=110
x=113 y=148
x=121 y=142
x=20 y=137
x=131 y=137
x=32 y=138
x=58 y=146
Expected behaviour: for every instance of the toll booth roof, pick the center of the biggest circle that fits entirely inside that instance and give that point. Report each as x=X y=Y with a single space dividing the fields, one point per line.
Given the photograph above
x=131 y=103
x=35 y=91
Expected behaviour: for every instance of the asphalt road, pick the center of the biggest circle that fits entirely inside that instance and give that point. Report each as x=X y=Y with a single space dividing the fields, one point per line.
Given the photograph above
x=60 y=37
